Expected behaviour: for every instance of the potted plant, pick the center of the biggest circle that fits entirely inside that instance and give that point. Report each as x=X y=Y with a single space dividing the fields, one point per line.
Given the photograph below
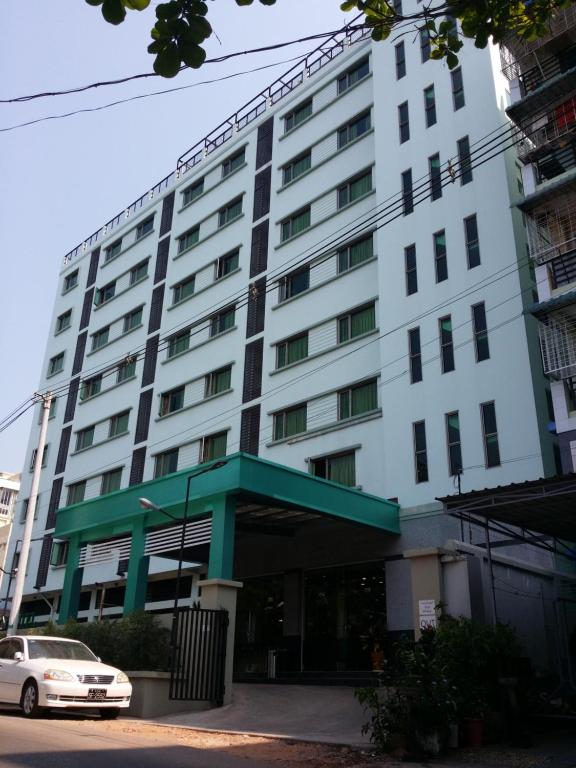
x=373 y=641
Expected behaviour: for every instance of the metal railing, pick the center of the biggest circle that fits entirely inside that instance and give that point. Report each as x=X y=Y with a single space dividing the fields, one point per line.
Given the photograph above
x=544 y=129
x=552 y=230
x=547 y=69
x=558 y=346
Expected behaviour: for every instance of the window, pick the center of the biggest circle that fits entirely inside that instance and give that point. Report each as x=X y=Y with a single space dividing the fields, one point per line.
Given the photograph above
x=172 y=401
x=356 y=323
x=44 y=457
x=435 y=175
x=217 y=381
x=293 y=284
x=100 y=338
x=132 y=319
x=63 y=321
x=192 y=192
x=570 y=393
x=457 y=88
x=398 y=7
x=407 y=195
x=91 y=387
x=233 y=162
x=139 y=272
x=105 y=293
x=113 y=250
x=184 y=289
x=223 y=321
x=56 y=364
x=166 y=463
x=472 y=241
x=480 y=330
x=354 y=189
x=59 y=554
x=76 y=493
x=297 y=223
x=354 y=401
x=111 y=481
x=411 y=269
x=355 y=253
x=84 y=438
x=430 y=106
x=446 y=344
x=118 y=424
x=400 y=58
x=339 y=468
x=403 y=122
x=296 y=167
x=440 y=256
x=292 y=350
x=453 y=443
x=353 y=129
x=145 y=227
x=188 y=239
x=424 y=44
x=420 y=453
x=290 y=422
x=71 y=281
x=126 y=370
x=226 y=264
x=214 y=446
x=490 y=433
x=354 y=75
x=298 y=115
x=180 y=342
x=229 y=212
x=465 y=160
x=415 y=355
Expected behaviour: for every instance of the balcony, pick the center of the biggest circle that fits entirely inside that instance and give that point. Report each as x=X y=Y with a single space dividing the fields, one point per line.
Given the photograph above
x=558 y=345
x=551 y=228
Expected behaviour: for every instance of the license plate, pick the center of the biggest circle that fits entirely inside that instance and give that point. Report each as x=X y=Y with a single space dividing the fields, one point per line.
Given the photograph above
x=96 y=694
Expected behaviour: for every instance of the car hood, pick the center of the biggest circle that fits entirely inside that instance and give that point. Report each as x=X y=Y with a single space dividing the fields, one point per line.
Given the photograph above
x=75 y=667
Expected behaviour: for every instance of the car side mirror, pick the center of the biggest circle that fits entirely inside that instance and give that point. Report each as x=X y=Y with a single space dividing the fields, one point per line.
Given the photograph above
x=18 y=656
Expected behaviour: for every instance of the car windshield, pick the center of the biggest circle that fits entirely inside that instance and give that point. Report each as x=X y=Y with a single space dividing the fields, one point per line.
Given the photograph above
x=58 y=649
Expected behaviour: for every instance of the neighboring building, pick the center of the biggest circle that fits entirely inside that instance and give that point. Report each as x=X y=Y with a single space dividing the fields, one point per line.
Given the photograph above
x=9 y=487
x=331 y=283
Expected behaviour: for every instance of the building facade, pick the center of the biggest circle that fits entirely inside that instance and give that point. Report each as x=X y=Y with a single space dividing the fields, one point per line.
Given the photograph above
x=334 y=280
x=9 y=486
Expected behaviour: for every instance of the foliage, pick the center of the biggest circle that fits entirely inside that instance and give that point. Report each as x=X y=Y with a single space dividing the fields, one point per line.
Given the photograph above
x=136 y=642
x=181 y=25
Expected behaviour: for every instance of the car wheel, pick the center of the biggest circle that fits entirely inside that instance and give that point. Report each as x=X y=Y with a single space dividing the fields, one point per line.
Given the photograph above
x=29 y=700
x=109 y=714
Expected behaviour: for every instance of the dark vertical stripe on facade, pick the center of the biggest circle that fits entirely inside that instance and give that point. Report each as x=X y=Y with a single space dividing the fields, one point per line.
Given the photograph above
x=259 y=249
x=44 y=561
x=86 y=308
x=79 y=354
x=71 y=401
x=54 y=502
x=143 y=421
x=93 y=270
x=264 y=142
x=167 y=212
x=161 y=260
x=137 y=467
x=256 y=307
x=63 y=450
x=250 y=430
x=262 y=185
x=253 y=358
x=150 y=358
x=156 y=308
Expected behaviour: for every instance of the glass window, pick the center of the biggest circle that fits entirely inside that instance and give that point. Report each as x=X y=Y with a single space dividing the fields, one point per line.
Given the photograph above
x=480 y=329
x=420 y=452
x=355 y=253
x=214 y=446
x=464 y=160
x=76 y=493
x=63 y=321
x=353 y=129
x=223 y=321
x=339 y=468
x=453 y=443
x=296 y=167
x=126 y=370
x=446 y=344
x=119 y=424
x=403 y=122
x=217 y=381
x=295 y=283
x=356 y=323
x=411 y=269
x=105 y=293
x=354 y=189
x=435 y=175
x=354 y=401
x=44 y=457
x=233 y=162
x=490 y=432
x=192 y=192
x=188 y=239
x=424 y=44
x=298 y=115
x=139 y=272
x=407 y=195
x=291 y=350
x=113 y=250
x=132 y=319
x=440 y=256
x=56 y=364
x=111 y=481
x=166 y=463
x=458 y=99
x=472 y=241
x=59 y=554
x=71 y=281
x=430 y=106
x=415 y=355
x=400 y=58
x=100 y=338
x=145 y=227
x=172 y=401
x=297 y=223
x=290 y=422
x=353 y=75
x=230 y=212
x=180 y=342
x=84 y=438
x=184 y=289
x=91 y=387
x=227 y=264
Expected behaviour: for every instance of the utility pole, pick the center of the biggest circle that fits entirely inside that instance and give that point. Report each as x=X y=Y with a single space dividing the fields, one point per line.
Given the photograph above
x=27 y=536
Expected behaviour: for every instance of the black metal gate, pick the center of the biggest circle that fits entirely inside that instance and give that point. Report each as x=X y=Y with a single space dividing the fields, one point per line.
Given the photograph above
x=198 y=655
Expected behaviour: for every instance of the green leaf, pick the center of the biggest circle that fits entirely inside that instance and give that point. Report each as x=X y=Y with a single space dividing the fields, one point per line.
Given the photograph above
x=348 y=5
x=167 y=62
x=94 y=2
x=268 y=2
x=167 y=10
x=113 y=11
x=192 y=55
x=136 y=5
x=244 y=2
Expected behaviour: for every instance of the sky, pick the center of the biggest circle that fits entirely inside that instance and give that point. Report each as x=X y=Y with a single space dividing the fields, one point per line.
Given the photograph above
x=61 y=179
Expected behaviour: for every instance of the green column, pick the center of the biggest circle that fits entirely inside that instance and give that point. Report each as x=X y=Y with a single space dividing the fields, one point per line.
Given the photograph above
x=137 y=579
x=70 y=598
x=221 y=562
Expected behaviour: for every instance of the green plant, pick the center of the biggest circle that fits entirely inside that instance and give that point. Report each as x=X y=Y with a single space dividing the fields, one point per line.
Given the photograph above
x=388 y=715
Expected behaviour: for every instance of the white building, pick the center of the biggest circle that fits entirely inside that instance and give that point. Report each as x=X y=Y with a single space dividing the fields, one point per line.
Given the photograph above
x=334 y=280
x=9 y=486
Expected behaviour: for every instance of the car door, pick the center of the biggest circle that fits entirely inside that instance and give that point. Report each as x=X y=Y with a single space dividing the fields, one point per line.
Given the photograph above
x=10 y=670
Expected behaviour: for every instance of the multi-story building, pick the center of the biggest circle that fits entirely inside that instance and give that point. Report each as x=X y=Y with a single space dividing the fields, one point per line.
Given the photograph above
x=334 y=280
x=9 y=486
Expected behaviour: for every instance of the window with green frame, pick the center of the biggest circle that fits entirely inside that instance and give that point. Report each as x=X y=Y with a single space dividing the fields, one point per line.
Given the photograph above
x=226 y=264
x=172 y=401
x=84 y=438
x=356 y=323
x=188 y=239
x=184 y=289
x=91 y=387
x=118 y=424
x=100 y=338
x=166 y=463
x=296 y=167
x=63 y=321
x=353 y=75
x=126 y=370
x=70 y=281
x=222 y=321
x=229 y=212
x=295 y=224
x=297 y=115
x=59 y=553
x=355 y=253
x=76 y=493
x=339 y=468
x=111 y=481
x=56 y=364
x=217 y=381
x=113 y=250
x=214 y=446
x=290 y=422
x=354 y=129
x=105 y=293
x=233 y=162
x=294 y=283
x=192 y=192
x=139 y=272
x=354 y=189
x=356 y=400
x=292 y=350
x=132 y=319
x=180 y=342
x=145 y=227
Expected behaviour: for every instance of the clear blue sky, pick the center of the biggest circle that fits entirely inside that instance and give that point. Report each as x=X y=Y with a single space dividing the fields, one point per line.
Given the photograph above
x=62 y=179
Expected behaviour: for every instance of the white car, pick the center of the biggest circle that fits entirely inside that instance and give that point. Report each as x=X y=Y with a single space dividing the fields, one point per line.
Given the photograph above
x=53 y=672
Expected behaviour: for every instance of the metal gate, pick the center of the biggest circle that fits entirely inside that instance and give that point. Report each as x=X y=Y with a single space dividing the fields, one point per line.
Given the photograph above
x=198 y=655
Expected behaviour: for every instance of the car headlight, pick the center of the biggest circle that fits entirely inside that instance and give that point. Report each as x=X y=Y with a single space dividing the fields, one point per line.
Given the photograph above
x=122 y=678
x=58 y=674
